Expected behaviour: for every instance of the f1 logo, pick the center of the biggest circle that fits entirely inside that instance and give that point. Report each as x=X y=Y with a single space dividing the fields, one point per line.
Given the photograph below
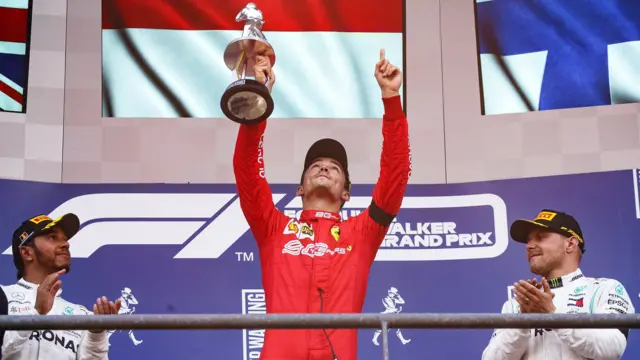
x=208 y=223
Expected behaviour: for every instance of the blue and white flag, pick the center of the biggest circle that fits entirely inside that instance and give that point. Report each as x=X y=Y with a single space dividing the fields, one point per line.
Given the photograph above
x=561 y=53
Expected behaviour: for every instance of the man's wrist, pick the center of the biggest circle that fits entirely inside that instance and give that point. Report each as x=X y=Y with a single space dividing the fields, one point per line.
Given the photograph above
x=97 y=337
x=392 y=107
x=36 y=311
x=389 y=93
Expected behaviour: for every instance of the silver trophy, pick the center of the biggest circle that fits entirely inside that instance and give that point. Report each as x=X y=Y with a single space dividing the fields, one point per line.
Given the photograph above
x=248 y=101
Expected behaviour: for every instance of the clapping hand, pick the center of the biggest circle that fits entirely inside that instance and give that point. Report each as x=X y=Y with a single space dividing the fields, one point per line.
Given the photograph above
x=105 y=307
x=47 y=291
x=534 y=297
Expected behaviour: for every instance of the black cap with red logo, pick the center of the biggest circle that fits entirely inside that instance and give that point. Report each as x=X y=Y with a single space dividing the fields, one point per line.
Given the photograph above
x=328 y=148
x=40 y=225
x=551 y=220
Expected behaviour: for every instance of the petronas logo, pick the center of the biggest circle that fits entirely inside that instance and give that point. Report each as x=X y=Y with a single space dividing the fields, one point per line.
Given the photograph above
x=619 y=290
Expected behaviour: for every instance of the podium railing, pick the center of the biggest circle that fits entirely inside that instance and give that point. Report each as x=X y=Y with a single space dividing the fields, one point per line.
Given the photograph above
x=321 y=321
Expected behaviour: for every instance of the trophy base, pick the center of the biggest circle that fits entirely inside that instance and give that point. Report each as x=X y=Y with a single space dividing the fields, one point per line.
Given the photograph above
x=247 y=101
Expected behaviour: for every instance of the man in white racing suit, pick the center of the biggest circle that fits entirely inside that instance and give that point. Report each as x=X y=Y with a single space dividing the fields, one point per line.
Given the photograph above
x=555 y=245
x=41 y=255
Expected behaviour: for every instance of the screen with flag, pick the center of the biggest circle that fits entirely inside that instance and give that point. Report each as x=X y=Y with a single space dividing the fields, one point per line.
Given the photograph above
x=15 y=27
x=549 y=54
x=165 y=58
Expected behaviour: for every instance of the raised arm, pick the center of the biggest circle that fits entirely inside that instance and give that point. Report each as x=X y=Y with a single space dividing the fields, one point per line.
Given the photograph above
x=255 y=195
x=256 y=199
x=610 y=298
x=395 y=163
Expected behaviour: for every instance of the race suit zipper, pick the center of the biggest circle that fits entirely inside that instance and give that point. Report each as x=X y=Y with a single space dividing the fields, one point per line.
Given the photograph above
x=323 y=330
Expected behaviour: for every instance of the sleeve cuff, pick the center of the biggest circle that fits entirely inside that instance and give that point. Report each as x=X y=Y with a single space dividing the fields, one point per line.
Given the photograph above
x=393 y=107
x=98 y=339
x=521 y=333
x=23 y=334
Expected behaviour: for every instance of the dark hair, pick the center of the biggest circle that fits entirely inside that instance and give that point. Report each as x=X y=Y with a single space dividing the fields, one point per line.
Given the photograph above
x=19 y=261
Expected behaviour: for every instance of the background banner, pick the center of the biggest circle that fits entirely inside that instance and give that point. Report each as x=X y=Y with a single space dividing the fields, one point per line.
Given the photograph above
x=173 y=53
x=188 y=249
x=15 y=33
x=551 y=66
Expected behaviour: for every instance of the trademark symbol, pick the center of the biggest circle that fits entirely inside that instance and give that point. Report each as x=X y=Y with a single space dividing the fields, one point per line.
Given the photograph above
x=244 y=257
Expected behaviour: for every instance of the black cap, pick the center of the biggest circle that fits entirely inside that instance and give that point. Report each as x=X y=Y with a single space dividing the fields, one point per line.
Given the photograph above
x=551 y=220
x=332 y=149
x=37 y=225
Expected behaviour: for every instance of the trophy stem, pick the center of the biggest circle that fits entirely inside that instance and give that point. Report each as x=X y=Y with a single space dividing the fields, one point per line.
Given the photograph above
x=241 y=66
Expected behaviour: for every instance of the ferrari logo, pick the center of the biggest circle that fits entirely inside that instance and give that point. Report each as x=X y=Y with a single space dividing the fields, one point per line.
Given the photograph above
x=292 y=228
x=335 y=232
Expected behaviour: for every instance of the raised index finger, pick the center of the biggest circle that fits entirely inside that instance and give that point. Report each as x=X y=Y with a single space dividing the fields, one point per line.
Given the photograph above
x=381 y=54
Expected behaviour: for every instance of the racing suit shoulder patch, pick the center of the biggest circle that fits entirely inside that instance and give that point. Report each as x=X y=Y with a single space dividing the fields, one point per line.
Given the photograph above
x=301 y=230
x=20 y=300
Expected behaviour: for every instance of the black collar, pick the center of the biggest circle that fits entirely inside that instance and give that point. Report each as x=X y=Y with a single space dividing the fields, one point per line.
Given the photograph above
x=558 y=282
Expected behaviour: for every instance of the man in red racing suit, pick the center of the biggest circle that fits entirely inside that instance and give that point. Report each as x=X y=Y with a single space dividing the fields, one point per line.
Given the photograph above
x=320 y=263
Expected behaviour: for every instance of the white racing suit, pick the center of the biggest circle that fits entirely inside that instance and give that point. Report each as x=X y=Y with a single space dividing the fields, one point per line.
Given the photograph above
x=574 y=294
x=49 y=344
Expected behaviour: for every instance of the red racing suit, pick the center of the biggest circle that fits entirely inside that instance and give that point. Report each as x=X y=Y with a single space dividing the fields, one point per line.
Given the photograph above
x=319 y=263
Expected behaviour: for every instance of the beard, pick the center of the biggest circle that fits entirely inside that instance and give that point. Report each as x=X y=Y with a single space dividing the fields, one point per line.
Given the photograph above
x=538 y=269
x=543 y=265
x=49 y=263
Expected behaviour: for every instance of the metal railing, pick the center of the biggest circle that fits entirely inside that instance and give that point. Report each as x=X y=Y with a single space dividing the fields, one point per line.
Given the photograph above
x=322 y=321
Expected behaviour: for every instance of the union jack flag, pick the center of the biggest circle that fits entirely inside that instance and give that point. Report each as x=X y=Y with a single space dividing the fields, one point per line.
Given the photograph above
x=14 y=61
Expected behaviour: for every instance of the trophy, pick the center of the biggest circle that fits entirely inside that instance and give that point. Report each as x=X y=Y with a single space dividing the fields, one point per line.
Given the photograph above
x=248 y=101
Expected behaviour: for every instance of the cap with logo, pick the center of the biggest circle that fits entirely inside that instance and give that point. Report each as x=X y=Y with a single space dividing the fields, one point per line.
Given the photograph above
x=40 y=225
x=551 y=220
x=328 y=148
